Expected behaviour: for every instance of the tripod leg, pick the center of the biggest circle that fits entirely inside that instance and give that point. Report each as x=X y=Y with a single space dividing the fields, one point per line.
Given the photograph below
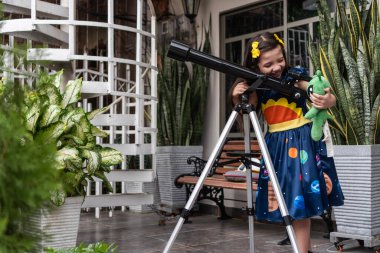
x=203 y=176
x=276 y=187
x=247 y=147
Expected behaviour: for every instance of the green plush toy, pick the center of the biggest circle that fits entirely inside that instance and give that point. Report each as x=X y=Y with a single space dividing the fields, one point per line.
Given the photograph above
x=317 y=85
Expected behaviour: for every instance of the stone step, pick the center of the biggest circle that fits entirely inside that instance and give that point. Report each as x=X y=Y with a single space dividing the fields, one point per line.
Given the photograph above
x=129 y=176
x=127 y=199
x=48 y=54
x=24 y=28
x=44 y=9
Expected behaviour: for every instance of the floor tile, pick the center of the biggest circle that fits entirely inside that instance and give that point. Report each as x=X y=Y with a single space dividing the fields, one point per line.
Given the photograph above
x=140 y=233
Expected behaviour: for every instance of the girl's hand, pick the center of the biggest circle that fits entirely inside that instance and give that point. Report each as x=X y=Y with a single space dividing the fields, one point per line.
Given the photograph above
x=239 y=89
x=323 y=101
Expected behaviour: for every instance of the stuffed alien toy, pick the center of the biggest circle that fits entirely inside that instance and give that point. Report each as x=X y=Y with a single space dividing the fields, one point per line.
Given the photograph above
x=317 y=85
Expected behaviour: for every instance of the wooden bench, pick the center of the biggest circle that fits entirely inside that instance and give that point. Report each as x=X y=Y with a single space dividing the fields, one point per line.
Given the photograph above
x=228 y=160
x=215 y=183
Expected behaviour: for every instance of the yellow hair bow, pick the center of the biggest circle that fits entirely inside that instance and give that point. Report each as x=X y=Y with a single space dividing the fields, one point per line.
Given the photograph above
x=279 y=40
x=255 y=50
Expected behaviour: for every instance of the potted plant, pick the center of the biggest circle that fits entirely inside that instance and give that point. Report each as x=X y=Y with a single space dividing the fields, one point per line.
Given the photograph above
x=27 y=175
x=52 y=116
x=182 y=95
x=348 y=53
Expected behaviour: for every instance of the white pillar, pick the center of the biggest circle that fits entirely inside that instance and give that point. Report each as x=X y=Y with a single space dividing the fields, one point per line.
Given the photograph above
x=139 y=83
x=33 y=10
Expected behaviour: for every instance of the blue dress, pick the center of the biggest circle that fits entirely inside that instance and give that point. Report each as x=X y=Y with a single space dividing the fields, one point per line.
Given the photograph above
x=306 y=175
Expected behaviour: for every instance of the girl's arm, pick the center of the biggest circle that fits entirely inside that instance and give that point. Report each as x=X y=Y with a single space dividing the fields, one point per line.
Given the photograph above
x=238 y=89
x=319 y=101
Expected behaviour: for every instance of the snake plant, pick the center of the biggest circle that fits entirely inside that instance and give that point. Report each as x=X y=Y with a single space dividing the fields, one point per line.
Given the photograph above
x=182 y=94
x=51 y=116
x=348 y=53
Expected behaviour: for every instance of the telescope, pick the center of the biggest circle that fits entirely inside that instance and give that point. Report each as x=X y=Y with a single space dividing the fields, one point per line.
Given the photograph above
x=182 y=52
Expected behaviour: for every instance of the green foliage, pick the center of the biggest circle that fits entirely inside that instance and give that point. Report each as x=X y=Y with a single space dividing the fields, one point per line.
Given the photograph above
x=27 y=174
x=349 y=56
x=51 y=117
x=182 y=94
x=99 y=247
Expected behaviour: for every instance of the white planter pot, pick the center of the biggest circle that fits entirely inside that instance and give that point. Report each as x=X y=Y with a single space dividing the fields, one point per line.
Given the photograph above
x=172 y=162
x=60 y=225
x=358 y=170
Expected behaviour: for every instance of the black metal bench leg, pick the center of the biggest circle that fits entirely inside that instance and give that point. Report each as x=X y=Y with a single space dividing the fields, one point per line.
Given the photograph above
x=211 y=193
x=222 y=208
x=216 y=195
x=189 y=190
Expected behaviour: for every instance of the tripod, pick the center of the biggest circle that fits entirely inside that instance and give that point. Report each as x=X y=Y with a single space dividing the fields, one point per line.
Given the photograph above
x=248 y=112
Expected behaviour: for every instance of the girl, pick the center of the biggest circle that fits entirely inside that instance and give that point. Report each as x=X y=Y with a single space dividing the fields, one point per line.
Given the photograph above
x=306 y=175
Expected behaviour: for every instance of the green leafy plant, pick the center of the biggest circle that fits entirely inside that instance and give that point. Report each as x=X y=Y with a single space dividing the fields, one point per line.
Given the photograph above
x=51 y=116
x=182 y=94
x=99 y=247
x=348 y=53
x=28 y=174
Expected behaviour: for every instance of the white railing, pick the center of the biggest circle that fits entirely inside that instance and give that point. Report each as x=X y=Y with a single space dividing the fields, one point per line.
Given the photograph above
x=132 y=82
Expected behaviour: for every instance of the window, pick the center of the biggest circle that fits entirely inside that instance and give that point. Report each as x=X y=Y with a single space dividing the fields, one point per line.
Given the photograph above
x=254 y=19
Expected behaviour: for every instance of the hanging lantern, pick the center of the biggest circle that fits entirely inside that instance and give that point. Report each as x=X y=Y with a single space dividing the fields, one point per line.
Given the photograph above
x=191 y=8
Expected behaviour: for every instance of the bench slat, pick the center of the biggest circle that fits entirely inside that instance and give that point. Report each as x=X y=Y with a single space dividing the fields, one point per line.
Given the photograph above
x=217 y=182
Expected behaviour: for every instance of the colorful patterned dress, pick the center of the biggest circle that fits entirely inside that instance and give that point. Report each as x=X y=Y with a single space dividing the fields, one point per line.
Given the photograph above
x=306 y=175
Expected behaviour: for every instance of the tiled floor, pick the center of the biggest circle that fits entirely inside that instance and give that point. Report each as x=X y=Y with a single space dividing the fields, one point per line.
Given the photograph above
x=140 y=233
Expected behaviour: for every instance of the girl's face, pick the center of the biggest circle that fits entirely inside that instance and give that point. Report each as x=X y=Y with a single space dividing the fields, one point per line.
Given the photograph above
x=272 y=62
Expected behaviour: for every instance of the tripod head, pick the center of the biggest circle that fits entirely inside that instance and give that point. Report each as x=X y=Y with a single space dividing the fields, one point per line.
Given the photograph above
x=182 y=52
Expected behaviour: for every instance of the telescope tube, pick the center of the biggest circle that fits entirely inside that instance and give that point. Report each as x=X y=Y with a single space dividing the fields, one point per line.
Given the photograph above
x=182 y=52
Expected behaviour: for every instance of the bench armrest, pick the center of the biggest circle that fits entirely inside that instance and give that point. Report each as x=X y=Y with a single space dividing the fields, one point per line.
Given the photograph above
x=199 y=165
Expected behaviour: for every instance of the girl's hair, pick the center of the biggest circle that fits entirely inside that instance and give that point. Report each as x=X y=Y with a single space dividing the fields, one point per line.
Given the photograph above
x=266 y=42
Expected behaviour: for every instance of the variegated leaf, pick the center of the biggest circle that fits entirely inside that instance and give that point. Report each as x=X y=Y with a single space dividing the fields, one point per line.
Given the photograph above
x=354 y=118
x=67 y=157
x=102 y=176
x=356 y=25
x=72 y=139
x=71 y=117
x=375 y=122
x=58 y=197
x=31 y=116
x=78 y=132
x=353 y=76
x=91 y=115
x=352 y=138
x=52 y=93
x=93 y=159
x=98 y=132
x=51 y=133
x=110 y=156
x=51 y=115
x=58 y=79
x=72 y=92
x=364 y=75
